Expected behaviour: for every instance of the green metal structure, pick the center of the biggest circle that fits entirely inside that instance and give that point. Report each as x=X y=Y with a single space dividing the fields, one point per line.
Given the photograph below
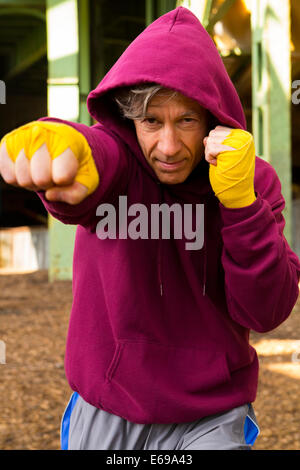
x=271 y=82
x=156 y=8
x=12 y=27
x=68 y=87
x=271 y=91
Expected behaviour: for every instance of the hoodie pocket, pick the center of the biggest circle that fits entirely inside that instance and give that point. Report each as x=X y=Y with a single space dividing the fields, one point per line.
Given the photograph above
x=149 y=382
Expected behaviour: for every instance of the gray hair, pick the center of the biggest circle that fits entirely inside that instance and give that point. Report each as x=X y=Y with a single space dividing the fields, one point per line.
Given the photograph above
x=133 y=102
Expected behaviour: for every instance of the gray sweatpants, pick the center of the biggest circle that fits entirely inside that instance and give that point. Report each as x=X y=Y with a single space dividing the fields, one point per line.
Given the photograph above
x=91 y=428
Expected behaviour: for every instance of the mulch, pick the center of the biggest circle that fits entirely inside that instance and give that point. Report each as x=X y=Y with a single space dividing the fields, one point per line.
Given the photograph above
x=34 y=315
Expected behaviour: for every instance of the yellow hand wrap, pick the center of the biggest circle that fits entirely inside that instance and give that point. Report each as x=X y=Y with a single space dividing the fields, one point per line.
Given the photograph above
x=57 y=137
x=232 y=180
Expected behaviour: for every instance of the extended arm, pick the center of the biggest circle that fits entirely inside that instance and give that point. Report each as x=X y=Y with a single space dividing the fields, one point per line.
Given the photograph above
x=71 y=166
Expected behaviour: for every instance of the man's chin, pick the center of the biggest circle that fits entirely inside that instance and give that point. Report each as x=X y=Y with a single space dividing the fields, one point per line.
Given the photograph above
x=169 y=178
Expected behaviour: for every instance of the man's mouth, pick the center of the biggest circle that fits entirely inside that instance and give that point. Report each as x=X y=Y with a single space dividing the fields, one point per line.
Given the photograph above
x=170 y=166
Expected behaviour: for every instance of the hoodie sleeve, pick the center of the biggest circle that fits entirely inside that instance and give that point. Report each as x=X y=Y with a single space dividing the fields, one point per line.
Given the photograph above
x=112 y=162
x=261 y=271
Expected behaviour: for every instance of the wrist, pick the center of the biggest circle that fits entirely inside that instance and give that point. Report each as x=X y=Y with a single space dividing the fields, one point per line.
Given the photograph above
x=243 y=200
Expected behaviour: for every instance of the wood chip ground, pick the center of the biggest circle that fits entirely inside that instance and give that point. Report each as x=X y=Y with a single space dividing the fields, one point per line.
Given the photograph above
x=34 y=317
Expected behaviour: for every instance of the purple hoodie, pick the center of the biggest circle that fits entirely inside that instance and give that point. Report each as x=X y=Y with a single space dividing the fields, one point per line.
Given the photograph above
x=159 y=333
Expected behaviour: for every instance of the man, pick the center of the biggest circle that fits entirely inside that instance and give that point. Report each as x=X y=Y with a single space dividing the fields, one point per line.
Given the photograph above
x=158 y=352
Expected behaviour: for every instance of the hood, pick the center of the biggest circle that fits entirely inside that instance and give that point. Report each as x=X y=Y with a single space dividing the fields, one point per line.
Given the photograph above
x=176 y=52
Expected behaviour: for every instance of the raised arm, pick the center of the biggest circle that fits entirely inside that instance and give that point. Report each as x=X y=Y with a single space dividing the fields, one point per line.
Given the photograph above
x=261 y=270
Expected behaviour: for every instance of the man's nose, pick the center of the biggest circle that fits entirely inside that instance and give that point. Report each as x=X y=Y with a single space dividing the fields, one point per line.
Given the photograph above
x=169 y=143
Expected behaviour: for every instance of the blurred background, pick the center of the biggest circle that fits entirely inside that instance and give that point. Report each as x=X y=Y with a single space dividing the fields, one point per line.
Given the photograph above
x=52 y=53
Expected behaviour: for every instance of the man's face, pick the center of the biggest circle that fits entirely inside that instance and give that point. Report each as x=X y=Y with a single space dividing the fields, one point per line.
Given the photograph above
x=171 y=136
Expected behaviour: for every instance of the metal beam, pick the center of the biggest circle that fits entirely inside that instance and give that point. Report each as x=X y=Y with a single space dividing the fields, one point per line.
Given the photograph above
x=200 y=8
x=33 y=12
x=271 y=91
x=205 y=14
x=22 y=3
x=84 y=61
x=156 y=8
x=116 y=42
x=14 y=34
x=116 y=22
x=64 y=103
x=163 y=6
x=69 y=83
x=27 y=52
x=149 y=11
x=219 y=14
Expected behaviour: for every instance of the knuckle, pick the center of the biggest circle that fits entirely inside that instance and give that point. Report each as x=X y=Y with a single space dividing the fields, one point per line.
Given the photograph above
x=23 y=182
x=62 y=178
x=209 y=142
x=41 y=181
x=64 y=169
x=9 y=178
x=211 y=147
x=22 y=174
x=8 y=173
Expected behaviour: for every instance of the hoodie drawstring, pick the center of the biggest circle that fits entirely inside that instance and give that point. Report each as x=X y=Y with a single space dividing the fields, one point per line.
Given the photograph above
x=204 y=248
x=206 y=201
x=159 y=252
x=160 y=247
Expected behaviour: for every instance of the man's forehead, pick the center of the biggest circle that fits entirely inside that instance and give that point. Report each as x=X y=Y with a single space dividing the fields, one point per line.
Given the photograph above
x=166 y=98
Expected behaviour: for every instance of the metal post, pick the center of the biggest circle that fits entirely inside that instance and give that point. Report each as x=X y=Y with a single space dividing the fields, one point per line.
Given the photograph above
x=68 y=86
x=149 y=11
x=156 y=8
x=84 y=60
x=271 y=91
x=163 y=6
x=200 y=8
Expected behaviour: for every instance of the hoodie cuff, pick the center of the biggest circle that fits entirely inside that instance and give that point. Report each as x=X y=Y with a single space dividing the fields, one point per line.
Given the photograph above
x=234 y=216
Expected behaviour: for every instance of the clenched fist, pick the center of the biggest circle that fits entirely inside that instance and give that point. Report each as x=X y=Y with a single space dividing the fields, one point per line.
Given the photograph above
x=231 y=155
x=49 y=156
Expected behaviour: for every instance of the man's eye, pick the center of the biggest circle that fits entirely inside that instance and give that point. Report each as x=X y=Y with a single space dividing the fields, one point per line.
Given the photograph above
x=150 y=121
x=188 y=120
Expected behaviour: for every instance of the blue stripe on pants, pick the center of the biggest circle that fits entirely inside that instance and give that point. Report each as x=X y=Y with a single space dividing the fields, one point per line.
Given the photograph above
x=65 y=424
x=251 y=429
